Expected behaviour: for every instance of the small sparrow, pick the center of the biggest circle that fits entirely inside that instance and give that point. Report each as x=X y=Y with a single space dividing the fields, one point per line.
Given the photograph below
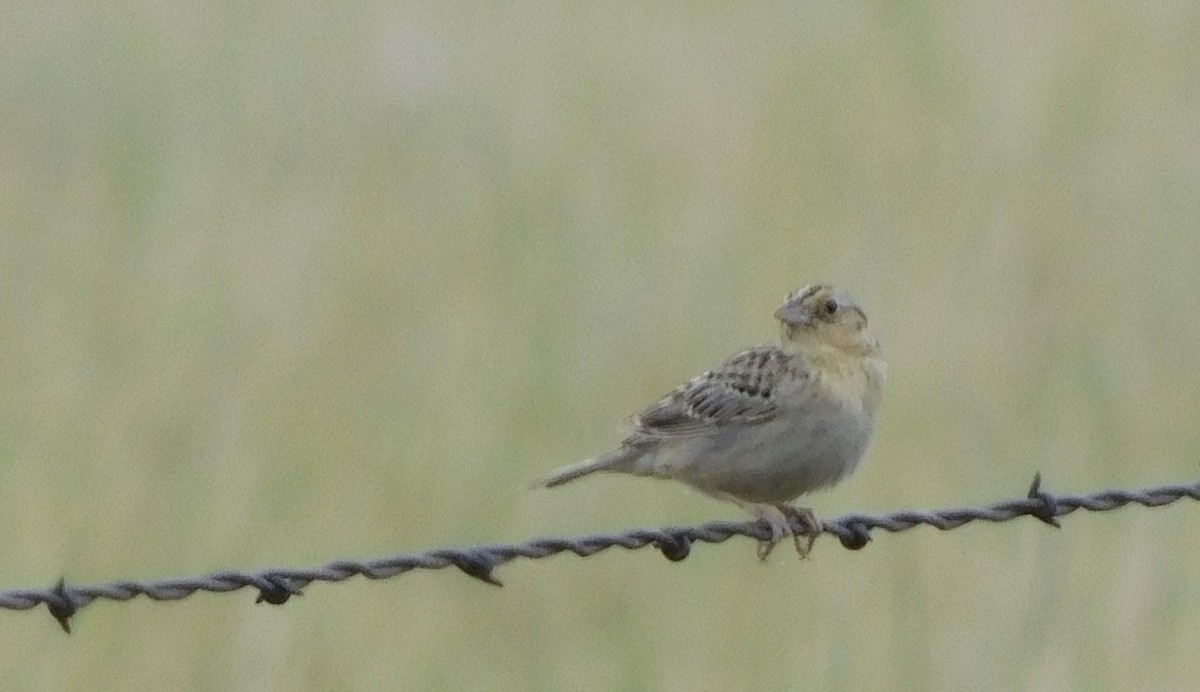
x=769 y=424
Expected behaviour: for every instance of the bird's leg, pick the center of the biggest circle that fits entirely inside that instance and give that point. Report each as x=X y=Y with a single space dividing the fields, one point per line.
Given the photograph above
x=810 y=526
x=780 y=518
x=776 y=520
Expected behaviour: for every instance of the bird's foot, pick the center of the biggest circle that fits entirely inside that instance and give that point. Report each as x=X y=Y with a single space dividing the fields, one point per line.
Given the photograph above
x=810 y=527
x=780 y=519
x=778 y=524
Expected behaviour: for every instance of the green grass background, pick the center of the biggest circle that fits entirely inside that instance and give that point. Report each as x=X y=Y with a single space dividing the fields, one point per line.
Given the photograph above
x=288 y=282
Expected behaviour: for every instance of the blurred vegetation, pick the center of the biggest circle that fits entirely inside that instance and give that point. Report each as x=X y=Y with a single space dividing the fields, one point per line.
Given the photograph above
x=282 y=283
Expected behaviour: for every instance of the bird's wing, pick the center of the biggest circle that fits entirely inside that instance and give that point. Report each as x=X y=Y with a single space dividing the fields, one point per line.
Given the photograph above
x=742 y=390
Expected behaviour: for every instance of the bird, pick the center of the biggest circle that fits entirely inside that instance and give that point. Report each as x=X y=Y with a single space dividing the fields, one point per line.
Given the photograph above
x=769 y=424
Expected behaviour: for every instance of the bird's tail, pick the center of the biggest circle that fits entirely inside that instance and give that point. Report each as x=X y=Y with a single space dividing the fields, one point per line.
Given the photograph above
x=618 y=460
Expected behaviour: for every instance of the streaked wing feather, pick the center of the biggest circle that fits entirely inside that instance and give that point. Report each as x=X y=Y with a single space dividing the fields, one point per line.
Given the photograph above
x=739 y=391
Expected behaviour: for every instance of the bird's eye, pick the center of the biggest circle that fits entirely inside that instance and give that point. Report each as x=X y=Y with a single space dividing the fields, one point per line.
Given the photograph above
x=831 y=308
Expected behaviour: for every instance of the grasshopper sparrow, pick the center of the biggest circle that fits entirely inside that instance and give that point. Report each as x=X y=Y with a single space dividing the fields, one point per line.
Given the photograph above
x=769 y=424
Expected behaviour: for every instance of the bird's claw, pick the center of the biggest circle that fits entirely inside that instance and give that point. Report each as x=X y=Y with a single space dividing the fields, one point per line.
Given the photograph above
x=778 y=531
x=809 y=527
x=783 y=520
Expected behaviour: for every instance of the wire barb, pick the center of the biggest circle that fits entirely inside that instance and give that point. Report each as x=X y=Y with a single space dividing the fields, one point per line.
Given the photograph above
x=61 y=606
x=1048 y=511
x=277 y=586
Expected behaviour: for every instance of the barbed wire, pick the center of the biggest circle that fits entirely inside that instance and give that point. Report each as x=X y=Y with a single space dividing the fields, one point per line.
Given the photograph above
x=276 y=586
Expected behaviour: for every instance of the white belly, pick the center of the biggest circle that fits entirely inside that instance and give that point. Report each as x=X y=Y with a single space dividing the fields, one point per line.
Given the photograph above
x=770 y=463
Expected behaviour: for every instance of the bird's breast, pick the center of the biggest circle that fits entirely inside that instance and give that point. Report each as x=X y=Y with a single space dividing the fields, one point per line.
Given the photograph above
x=779 y=460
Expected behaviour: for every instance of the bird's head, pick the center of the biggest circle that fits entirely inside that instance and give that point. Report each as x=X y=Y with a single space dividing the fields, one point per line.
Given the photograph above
x=823 y=315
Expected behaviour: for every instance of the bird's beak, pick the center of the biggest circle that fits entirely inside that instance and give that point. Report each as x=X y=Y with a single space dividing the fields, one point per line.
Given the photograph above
x=793 y=315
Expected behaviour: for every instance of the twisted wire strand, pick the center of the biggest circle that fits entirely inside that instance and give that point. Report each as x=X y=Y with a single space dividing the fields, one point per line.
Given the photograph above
x=277 y=585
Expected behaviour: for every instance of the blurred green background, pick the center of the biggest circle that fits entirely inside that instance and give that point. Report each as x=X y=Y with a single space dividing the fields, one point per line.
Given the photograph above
x=288 y=282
